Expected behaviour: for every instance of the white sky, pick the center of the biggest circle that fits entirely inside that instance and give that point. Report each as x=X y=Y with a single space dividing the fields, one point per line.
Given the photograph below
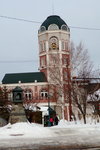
x=18 y=40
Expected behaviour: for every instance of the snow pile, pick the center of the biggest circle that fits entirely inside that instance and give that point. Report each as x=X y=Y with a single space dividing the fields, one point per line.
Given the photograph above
x=63 y=123
x=32 y=130
x=26 y=130
x=73 y=124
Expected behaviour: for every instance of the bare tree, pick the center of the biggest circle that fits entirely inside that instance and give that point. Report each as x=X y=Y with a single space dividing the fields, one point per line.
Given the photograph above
x=68 y=90
x=4 y=105
x=79 y=96
x=80 y=61
x=81 y=68
x=3 y=96
x=59 y=82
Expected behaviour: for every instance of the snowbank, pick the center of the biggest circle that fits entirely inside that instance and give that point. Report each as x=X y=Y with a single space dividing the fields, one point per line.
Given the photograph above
x=32 y=130
x=73 y=124
x=24 y=129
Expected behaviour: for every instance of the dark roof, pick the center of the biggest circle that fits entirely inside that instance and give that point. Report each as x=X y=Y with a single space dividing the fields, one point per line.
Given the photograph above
x=54 y=19
x=24 y=77
x=17 y=89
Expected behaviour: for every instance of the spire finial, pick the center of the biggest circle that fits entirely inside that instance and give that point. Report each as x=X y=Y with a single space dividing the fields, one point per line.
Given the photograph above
x=52 y=7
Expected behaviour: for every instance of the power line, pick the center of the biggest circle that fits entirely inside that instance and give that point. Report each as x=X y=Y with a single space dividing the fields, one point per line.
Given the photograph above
x=31 y=21
x=18 y=61
x=19 y=19
x=85 y=28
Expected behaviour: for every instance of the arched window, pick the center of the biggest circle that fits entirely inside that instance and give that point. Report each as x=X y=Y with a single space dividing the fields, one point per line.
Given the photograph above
x=10 y=95
x=54 y=59
x=53 y=43
x=64 y=27
x=42 y=46
x=53 y=27
x=28 y=94
x=43 y=61
x=64 y=45
x=42 y=29
x=44 y=93
x=18 y=96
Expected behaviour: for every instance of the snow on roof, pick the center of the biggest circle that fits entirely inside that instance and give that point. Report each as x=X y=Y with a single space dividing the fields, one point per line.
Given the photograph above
x=95 y=96
x=95 y=80
x=43 y=108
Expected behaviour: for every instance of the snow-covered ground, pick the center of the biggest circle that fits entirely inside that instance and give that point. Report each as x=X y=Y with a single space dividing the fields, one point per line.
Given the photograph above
x=32 y=130
x=65 y=132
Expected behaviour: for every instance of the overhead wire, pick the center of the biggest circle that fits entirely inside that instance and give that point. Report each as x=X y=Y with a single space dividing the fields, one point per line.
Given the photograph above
x=32 y=21
x=38 y=22
x=17 y=61
x=85 y=28
x=19 y=19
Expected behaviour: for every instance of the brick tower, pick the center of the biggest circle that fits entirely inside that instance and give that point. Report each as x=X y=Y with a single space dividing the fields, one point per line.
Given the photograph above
x=54 y=54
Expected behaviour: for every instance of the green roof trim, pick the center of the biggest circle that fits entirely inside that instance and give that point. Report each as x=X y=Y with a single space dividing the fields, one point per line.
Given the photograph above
x=24 y=78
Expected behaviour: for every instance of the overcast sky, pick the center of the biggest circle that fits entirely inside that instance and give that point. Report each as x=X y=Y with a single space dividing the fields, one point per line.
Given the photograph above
x=19 y=41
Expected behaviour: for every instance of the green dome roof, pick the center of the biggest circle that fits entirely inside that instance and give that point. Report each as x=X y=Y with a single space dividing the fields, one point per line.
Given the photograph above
x=54 y=19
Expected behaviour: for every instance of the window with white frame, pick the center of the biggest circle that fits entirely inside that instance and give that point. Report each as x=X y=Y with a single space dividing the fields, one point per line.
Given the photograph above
x=10 y=96
x=43 y=62
x=28 y=94
x=64 y=45
x=42 y=46
x=54 y=59
x=44 y=93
